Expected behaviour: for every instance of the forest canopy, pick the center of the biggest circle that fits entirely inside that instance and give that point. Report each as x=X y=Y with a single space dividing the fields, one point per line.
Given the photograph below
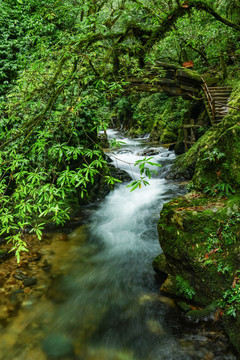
x=64 y=67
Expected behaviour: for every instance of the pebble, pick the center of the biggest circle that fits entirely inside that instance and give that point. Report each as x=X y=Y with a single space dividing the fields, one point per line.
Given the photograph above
x=19 y=275
x=29 y=281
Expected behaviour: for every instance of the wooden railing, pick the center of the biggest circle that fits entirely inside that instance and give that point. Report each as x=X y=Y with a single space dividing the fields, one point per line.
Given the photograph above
x=211 y=101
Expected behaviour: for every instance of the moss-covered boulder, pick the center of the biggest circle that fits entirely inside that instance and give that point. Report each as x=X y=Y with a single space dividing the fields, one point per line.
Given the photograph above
x=168 y=135
x=215 y=158
x=200 y=239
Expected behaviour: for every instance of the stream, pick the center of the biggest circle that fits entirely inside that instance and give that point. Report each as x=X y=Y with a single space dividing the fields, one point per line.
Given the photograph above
x=104 y=302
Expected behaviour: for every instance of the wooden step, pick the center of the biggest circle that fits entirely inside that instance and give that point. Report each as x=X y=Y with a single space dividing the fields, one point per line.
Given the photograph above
x=220 y=87
x=227 y=96
x=220 y=94
x=223 y=113
x=220 y=102
x=220 y=90
x=224 y=97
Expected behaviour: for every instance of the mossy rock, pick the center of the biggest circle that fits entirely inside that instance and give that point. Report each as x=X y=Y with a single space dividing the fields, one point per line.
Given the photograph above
x=207 y=314
x=224 y=138
x=168 y=136
x=186 y=227
x=232 y=327
x=199 y=164
x=185 y=224
x=209 y=172
x=157 y=130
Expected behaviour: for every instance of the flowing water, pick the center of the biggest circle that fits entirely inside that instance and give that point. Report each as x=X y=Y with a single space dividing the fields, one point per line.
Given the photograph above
x=105 y=303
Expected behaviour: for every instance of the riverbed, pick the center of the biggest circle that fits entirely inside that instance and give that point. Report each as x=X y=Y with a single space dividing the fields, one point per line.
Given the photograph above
x=102 y=299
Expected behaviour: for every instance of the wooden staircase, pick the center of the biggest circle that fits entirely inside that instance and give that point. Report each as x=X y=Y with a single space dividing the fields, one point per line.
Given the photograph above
x=216 y=102
x=220 y=96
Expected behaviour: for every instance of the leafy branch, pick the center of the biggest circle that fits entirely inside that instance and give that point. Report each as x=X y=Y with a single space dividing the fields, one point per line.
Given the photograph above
x=144 y=170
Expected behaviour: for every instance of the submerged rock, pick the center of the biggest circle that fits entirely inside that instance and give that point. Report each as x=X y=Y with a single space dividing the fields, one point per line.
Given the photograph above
x=29 y=282
x=57 y=346
x=149 y=152
x=119 y=174
x=209 y=314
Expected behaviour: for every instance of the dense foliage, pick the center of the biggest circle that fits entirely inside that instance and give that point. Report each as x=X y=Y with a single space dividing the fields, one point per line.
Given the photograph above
x=64 y=67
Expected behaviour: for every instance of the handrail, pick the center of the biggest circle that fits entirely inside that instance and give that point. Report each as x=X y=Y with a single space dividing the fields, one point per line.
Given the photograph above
x=211 y=101
x=210 y=98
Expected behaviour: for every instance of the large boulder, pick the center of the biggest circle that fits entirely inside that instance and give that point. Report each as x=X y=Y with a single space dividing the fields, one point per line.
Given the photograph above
x=200 y=239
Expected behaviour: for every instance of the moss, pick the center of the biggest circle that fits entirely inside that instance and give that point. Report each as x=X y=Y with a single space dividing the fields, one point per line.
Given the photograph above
x=198 y=162
x=204 y=315
x=232 y=326
x=168 y=136
x=187 y=230
x=184 y=227
x=190 y=74
x=227 y=169
x=160 y=264
x=157 y=130
x=235 y=100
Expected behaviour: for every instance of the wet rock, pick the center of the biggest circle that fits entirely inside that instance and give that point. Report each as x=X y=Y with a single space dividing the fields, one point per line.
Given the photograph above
x=155 y=327
x=172 y=147
x=36 y=257
x=181 y=173
x=29 y=282
x=19 y=275
x=124 y=152
x=169 y=286
x=179 y=148
x=17 y=296
x=160 y=267
x=57 y=346
x=149 y=152
x=119 y=174
x=46 y=266
x=207 y=315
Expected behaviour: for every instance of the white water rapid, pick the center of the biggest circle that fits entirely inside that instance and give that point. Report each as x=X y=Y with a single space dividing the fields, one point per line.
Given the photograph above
x=104 y=301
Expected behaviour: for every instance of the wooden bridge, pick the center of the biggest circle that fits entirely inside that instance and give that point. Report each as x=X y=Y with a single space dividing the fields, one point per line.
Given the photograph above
x=179 y=81
x=167 y=78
